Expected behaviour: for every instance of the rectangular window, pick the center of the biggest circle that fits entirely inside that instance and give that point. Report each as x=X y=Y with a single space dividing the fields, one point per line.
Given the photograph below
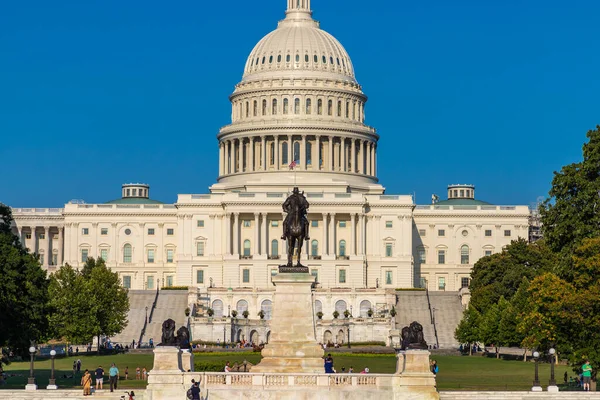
x=274 y=224
x=42 y=236
x=246 y=223
x=150 y=231
x=441 y=232
x=488 y=253
x=84 y=255
x=507 y=233
x=200 y=249
x=423 y=282
x=342 y=277
x=200 y=276
x=127 y=282
x=127 y=254
x=342 y=224
x=488 y=232
x=246 y=275
x=54 y=259
x=170 y=232
x=85 y=231
x=169 y=255
x=314 y=223
x=150 y=282
x=103 y=231
x=170 y=281
x=389 y=250
x=422 y=232
x=28 y=236
x=389 y=277
x=104 y=254
x=200 y=223
x=464 y=283
x=441 y=256
x=315 y=273
x=150 y=256
x=442 y=283
x=422 y=256
x=389 y=224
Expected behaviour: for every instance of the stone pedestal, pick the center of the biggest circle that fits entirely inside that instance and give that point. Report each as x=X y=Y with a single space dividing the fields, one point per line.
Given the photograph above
x=413 y=375
x=187 y=360
x=31 y=386
x=292 y=347
x=536 y=389
x=165 y=380
x=553 y=389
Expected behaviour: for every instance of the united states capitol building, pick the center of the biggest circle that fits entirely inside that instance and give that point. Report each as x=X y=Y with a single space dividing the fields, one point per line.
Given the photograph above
x=298 y=102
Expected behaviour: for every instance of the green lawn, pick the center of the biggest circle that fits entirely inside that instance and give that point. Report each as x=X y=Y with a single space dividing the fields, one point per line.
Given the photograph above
x=456 y=373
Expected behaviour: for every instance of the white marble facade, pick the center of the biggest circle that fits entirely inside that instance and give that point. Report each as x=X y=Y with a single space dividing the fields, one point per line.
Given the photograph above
x=298 y=101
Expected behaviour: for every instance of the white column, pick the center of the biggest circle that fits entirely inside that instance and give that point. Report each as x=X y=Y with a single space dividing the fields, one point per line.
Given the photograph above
x=240 y=156
x=263 y=232
x=236 y=231
x=361 y=234
x=277 y=158
x=332 y=249
x=374 y=160
x=227 y=223
x=32 y=243
x=353 y=234
x=330 y=158
x=303 y=153
x=361 y=164
x=61 y=239
x=47 y=238
x=256 y=234
x=220 y=158
x=250 y=160
x=345 y=156
x=353 y=155
x=316 y=150
x=263 y=148
x=289 y=149
x=324 y=247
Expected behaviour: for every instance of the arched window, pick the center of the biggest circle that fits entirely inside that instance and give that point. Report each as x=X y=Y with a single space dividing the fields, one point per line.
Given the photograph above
x=267 y=308
x=217 y=307
x=342 y=249
x=308 y=106
x=279 y=58
x=306 y=58
x=347 y=109
x=316 y=59
x=284 y=155
x=318 y=306
x=288 y=58
x=365 y=306
x=241 y=306
x=320 y=107
x=264 y=107
x=339 y=113
x=308 y=153
x=285 y=106
x=263 y=60
x=464 y=254
x=274 y=248
x=338 y=61
x=274 y=110
x=246 y=248
x=324 y=60
x=329 y=107
x=272 y=153
x=296 y=151
x=314 y=248
x=270 y=59
x=297 y=57
x=297 y=106
x=331 y=60
x=255 y=108
x=127 y=253
x=340 y=306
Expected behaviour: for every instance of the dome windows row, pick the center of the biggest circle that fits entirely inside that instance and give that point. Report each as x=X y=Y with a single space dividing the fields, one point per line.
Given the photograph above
x=349 y=109
x=324 y=61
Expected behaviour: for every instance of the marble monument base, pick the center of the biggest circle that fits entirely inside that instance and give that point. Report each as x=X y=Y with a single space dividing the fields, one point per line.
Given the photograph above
x=166 y=379
x=292 y=347
x=413 y=375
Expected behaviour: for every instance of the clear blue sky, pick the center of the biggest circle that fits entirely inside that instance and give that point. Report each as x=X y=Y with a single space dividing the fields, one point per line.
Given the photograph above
x=97 y=93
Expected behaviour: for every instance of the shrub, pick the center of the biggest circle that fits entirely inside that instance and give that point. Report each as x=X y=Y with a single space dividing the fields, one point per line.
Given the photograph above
x=336 y=314
x=234 y=313
x=174 y=288
x=187 y=312
x=210 y=312
x=346 y=313
x=208 y=366
x=370 y=312
x=245 y=314
x=393 y=311
x=261 y=314
x=320 y=315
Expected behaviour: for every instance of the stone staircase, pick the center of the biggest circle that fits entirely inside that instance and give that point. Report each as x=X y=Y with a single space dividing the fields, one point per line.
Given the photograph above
x=138 y=301
x=171 y=304
x=412 y=306
x=448 y=313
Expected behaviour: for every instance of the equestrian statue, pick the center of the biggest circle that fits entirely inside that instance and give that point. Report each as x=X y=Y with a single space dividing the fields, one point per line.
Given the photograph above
x=295 y=229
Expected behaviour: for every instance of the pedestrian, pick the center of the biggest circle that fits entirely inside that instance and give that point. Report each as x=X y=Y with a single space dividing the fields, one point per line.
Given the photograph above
x=74 y=368
x=195 y=391
x=434 y=368
x=86 y=382
x=329 y=364
x=113 y=377
x=351 y=370
x=144 y=373
x=126 y=373
x=365 y=371
x=587 y=375
x=227 y=367
x=78 y=365
x=99 y=377
x=137 y=373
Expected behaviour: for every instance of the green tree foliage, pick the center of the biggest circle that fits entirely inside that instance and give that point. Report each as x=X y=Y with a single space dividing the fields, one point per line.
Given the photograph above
x=23 y=291
x=572 y=212
x=467 y=330
x=88 y=303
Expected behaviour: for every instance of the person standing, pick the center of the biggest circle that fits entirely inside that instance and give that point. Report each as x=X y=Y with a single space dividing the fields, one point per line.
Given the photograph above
x=99 y=377
x=137 y=373
x=78 y=365
x=113 y=373
x=195 y=391
x=126 y=373
x=329 y=364
x=587 y=375
x=144 y=373
x=86 y=382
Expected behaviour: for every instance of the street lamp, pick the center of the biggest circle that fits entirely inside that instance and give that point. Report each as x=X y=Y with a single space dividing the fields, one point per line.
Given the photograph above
x=52 y=381
x=536 y=381
x=552 y=383
x=245 y=366
x=31 y=380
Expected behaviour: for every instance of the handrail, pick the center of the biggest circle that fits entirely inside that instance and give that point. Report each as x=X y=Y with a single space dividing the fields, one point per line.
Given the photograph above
x=431 y=315
x=149 y=318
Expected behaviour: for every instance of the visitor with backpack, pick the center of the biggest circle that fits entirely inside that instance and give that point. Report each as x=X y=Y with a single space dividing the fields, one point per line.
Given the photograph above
x=434 y=368
x=193 y=393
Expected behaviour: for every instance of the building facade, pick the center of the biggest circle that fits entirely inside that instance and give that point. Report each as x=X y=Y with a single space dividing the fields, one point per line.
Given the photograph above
x=298 y=103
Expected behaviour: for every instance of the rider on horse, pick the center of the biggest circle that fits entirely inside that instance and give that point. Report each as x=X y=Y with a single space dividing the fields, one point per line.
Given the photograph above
x=296 y=199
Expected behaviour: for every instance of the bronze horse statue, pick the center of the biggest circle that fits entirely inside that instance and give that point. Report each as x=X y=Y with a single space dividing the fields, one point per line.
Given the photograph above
x=295 y=229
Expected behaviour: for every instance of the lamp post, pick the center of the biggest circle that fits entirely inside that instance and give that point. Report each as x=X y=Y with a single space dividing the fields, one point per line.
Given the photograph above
x=552 y=384
x=245 y=366
x=31 y=380
x=52 y=381
x=536 y=381
x=146 y=314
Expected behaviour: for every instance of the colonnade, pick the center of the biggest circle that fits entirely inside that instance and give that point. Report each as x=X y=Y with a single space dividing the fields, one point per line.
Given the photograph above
x=40 y=240
x=310 y=152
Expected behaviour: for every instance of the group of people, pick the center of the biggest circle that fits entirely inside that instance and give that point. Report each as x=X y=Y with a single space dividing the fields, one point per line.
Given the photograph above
x=329 y=369
x=86 y=379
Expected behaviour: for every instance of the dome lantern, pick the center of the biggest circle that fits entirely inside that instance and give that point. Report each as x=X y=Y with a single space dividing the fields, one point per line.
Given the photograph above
x=298 y=9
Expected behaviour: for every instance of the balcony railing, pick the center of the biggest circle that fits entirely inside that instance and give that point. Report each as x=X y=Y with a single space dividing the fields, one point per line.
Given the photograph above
x=274 y=257
x=342 y=257
x=314 y=257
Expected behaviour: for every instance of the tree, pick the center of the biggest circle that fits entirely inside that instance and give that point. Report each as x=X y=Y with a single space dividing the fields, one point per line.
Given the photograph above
x=572 y=212
x=23 y=291
x=467 y=330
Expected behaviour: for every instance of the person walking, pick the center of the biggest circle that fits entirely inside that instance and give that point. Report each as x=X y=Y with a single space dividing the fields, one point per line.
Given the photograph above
x=113 y=377
x=587 y=375
x=195 y=391
x=329 y=364
x=86 y=382
x=99 y=377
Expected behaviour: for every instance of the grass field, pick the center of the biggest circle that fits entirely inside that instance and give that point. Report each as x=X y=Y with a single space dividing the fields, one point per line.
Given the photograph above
x=456 y=372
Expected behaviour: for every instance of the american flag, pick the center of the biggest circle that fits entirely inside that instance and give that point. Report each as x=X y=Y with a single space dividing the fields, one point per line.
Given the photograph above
x=293 y=165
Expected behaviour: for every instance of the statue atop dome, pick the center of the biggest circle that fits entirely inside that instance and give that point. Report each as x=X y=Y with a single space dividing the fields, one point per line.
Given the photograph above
x=295 y=229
